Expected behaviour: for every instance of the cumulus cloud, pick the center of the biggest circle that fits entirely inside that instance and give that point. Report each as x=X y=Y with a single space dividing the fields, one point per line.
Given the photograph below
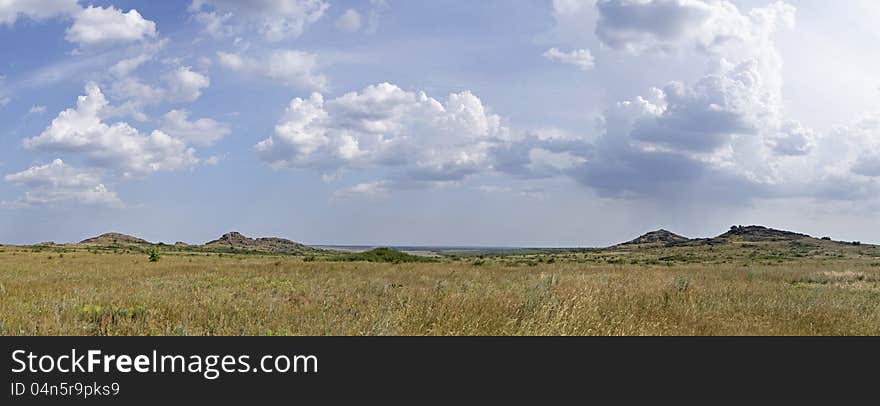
x=136 y=95
x=724 y=132
x=427 y=141
x=132 y=94
x=184 y=85
x=12 y=10
x=201 y=132
x=666 y=25
x=723 y=138
x=293 y=68
x=582 y=58
x=98 y=26
x=58 y=183
x=117 y=146
x=792 y=139
x=274 y=19
x=349 y=21
x=853 y=149
x=703 y=117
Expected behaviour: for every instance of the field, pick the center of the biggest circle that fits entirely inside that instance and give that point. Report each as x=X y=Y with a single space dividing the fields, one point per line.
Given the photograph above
x=789 y=288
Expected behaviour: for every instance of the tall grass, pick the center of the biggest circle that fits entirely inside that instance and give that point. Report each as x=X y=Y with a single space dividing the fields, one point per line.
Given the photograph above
x=102 y=293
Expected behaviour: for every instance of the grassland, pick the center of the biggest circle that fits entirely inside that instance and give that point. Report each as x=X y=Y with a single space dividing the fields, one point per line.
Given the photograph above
x=782 y=288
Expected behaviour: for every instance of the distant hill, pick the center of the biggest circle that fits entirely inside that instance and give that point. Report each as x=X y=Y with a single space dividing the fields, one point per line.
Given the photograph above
x=760 y=234
x=114 y=238
x=659 y=237
x=237 y=241
x=735 y=234
x=229 y=241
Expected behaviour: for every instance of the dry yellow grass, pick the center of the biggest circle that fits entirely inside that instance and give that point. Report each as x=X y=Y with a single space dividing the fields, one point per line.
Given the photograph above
x=695 y=292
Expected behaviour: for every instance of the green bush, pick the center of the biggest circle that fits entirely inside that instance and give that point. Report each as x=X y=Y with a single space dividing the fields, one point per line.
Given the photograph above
x=155 y=255
x=384 y=255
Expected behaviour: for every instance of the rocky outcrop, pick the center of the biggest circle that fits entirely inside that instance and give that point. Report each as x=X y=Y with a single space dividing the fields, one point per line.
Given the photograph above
x=113 y=238
x=237 y=241
x=759 y=234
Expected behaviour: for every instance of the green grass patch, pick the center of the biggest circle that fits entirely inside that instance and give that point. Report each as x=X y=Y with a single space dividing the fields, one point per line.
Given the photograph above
x=386 y=255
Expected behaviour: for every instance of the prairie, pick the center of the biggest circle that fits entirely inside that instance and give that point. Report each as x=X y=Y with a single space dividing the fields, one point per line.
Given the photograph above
x=778 y=288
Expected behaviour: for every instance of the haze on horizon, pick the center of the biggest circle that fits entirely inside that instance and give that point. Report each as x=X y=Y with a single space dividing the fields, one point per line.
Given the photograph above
x=443 y=123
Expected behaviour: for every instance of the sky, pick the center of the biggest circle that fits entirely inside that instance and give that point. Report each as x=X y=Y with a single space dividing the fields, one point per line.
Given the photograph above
x=450 y=122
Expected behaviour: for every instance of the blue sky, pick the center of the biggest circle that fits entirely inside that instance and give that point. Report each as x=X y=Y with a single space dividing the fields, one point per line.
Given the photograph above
x=550 y=123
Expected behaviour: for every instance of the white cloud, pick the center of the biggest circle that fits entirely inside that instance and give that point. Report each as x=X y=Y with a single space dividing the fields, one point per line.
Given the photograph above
x=12 y=10
x=733 y=100
x=349 y=21
x=37 y=109
x=293 y=68
x=201 y=132
x=666 y=25
x=184 y=85
x=274 y=19
x=118 y=146
x=426 y=140
x=58 y=183
x=582 y=58
x=216 y=24
x=136 y=95
x=793 y=139
x=725 y=137
x=98 y=26
x=231 y=60
x=126 y=66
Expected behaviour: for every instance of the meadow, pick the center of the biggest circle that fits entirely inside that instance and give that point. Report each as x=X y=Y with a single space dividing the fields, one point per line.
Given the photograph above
x=741 y=289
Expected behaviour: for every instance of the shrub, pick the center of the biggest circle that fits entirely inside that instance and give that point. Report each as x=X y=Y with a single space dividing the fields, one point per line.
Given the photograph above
x=154 y=255
x=385 y=255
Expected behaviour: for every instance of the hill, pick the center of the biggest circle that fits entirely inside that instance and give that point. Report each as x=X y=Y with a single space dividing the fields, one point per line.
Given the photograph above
x=760 y=234
x=237 y=241
x=736 y=234
x=113 y=239
x=659 y=237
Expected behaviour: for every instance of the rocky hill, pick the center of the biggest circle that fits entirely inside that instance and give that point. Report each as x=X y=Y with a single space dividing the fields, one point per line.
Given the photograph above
x=237 y=241
x=751 y=234
x=659 y=237
x=759 y=234
x=113 y=239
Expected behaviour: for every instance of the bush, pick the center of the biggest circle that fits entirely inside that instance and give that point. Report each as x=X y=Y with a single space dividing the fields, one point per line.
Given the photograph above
x=154 y=255
x=385 y=255
x=826 y=238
